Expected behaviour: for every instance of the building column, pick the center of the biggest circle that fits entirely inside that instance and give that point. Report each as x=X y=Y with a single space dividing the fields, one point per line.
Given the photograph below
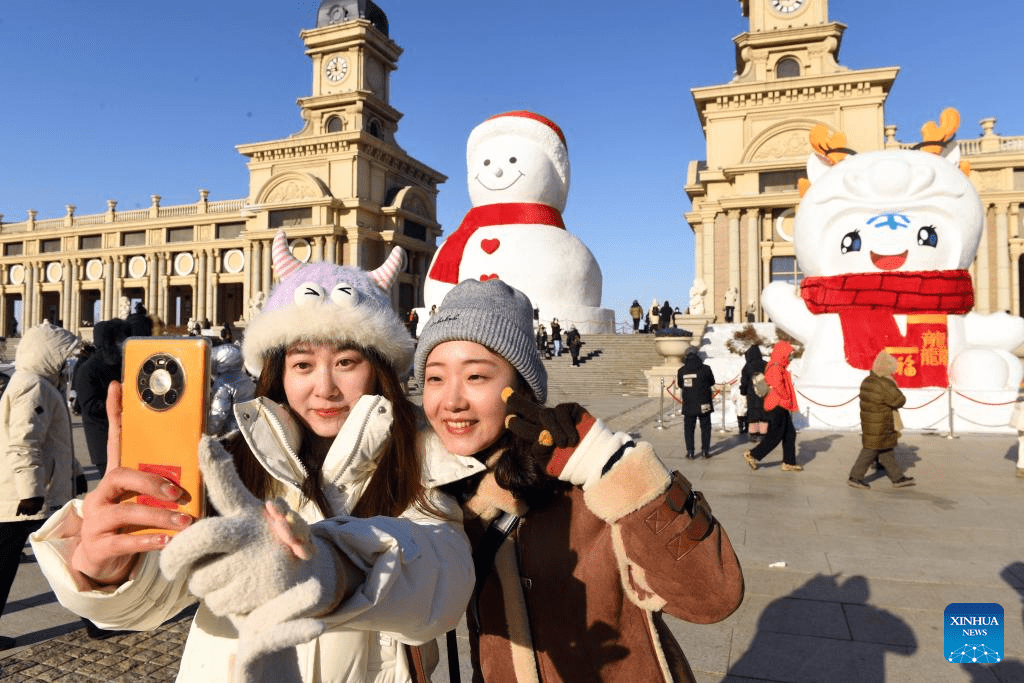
x=202 y=313
x=151 y=285
x=162 y=287
x=108 y=288
x=29 y=305
x=734 y=217
x=76 y=295
x=752 y=292
x=213 y=265
x=982 y=288
x=332 y=249
x=266 y=270
x=1002 y=258
x=65 y=295
x=118 y=266
x=318 y=250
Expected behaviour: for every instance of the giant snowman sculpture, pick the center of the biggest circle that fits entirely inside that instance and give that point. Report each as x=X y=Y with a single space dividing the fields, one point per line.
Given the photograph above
x=885 y=239
x=518 y=174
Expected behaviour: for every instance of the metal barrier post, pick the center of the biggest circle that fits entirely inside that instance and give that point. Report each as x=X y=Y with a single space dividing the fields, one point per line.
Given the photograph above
x=722 y=430
x=661 y=405
x=949 y=394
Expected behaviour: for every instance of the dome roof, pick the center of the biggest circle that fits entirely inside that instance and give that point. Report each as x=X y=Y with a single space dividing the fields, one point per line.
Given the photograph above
x=340 y=11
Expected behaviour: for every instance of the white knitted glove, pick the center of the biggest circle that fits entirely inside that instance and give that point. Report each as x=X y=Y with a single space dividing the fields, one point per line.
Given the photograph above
x=242 y=570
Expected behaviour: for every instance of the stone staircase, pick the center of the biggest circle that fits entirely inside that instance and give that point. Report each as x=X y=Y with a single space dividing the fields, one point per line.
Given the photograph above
x=609 y=364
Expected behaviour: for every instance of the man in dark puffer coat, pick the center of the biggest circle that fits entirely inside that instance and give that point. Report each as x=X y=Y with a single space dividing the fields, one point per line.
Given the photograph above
x=880 y=398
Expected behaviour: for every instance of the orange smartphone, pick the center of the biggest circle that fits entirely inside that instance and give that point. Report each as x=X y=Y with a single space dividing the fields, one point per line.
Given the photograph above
x=163 y=414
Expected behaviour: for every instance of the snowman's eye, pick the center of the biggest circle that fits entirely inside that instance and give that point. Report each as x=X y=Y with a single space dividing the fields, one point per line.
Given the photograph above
x=487 y=162
x=345 y=295
x=308 y=293
x=927 y=236
x=511 y=160
x=851 y=242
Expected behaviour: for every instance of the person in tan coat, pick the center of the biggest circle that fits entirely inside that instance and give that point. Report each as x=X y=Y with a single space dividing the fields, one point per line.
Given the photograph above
x=880 y=399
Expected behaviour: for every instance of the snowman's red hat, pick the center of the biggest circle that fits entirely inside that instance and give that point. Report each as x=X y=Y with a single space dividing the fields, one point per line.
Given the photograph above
x=540 y=129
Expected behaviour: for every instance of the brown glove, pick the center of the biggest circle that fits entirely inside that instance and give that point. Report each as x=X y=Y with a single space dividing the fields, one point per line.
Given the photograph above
x=553 y=433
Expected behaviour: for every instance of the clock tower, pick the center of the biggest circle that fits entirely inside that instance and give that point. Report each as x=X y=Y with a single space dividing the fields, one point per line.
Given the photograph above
x=788 y=79
x=342 y=187
x=352 y=58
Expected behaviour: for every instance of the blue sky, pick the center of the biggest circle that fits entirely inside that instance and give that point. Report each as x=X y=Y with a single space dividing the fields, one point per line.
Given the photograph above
x=121 y=100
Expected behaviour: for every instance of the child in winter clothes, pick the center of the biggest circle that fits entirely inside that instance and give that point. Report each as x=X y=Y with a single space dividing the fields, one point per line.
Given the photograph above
x=583 y=536
x=39 y=472
x=332 y=549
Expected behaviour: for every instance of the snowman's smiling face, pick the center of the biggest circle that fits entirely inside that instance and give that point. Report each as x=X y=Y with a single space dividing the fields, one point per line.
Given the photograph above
x=887 y=211
x=891 y=241
x=513 y=168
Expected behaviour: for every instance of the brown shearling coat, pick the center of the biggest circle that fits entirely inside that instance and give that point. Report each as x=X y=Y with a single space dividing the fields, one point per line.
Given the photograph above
x=576 y=592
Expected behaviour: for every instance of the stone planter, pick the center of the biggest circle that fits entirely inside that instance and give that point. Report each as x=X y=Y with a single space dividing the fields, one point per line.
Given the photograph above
x=673 y=349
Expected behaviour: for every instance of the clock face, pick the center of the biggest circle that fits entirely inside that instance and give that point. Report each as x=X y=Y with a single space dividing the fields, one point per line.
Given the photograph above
x=336 y=69
x=787 y=6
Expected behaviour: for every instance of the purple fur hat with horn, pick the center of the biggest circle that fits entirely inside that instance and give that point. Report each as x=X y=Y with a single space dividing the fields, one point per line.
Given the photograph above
x=325 y=302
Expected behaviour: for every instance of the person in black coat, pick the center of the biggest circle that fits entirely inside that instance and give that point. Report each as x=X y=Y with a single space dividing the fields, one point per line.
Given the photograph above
x=91 y=382
x=695 y=381
x=573 y=340
x=664 y=316
x=756 y=419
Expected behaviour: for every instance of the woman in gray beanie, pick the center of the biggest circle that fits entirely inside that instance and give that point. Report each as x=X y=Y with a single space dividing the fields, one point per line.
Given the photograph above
x=581 y=536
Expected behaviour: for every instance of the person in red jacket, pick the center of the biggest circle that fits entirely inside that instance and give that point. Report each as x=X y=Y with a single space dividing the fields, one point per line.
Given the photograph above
x=779 y=403
x=582 y=537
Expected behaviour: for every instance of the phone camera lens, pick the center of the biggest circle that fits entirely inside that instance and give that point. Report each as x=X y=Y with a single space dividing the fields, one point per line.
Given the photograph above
x=148 y=367
x=147 y=396
x=171 y=397
x=172 y=367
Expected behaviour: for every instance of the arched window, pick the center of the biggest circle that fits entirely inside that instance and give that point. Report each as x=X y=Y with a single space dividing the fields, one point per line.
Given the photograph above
x=373 y=128
x=335 y=124
x=787 y=67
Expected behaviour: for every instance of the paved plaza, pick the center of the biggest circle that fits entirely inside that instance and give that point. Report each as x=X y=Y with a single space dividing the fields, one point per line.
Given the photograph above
x=841 y=584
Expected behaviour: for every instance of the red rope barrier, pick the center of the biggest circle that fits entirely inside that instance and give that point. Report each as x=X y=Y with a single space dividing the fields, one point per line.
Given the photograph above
x=984 y=403
x=825 y=405
x=925 y=403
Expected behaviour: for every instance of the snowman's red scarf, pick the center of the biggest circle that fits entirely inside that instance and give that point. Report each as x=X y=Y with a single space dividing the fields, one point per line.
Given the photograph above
x=449 y=257
x=866 y=303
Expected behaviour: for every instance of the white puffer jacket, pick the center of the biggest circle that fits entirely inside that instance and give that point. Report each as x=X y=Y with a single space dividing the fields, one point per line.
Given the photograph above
x=37 y=454
x=419 y=569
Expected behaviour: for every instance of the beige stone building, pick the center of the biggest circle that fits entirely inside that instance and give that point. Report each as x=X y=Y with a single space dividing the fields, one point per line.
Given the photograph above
x=342 y=187
x=744 y=193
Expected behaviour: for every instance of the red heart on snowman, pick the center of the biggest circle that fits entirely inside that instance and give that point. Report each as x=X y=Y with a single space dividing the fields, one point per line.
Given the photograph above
x=492 y=276
x=490 y=246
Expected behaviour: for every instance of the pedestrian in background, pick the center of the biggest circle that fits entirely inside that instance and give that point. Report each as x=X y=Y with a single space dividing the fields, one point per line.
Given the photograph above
x=696 y=380
x=95 y=375
x=636 y=312
x=652 y=316
x=575 y=343
x=665 y=315
x=753 y=368
x=556 y=337
x=39 y=471
x=880 y=424
x=780 y=402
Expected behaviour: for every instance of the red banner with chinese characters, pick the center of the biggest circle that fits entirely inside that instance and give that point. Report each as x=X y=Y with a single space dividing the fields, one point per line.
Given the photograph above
x=924 y=353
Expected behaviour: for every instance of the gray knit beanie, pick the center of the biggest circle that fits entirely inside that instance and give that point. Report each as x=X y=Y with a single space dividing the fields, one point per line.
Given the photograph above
x=493 y=315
